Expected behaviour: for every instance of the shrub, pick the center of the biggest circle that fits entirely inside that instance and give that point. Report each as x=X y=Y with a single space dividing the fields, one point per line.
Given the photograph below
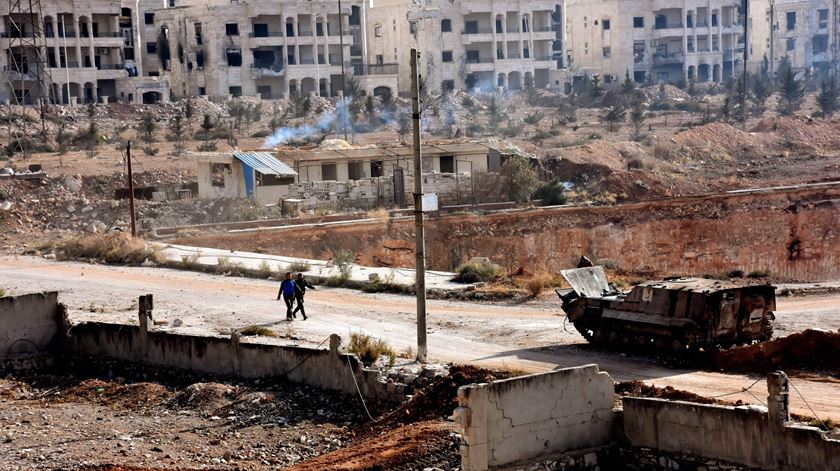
x=735 y=274
x=261 y=133
x=265 y=269
x=207 y=147
x=190 y=262
x=473 y=272
x=344 y=261
x=552 y=193
x=369 y=349
x=258 y=330
x=2 y=292
x=298 y=267
x=758 y=274
x=535 y=285
x=117 y=247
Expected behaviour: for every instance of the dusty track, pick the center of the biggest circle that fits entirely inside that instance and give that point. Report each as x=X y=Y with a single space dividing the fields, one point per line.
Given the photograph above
x=526 y=337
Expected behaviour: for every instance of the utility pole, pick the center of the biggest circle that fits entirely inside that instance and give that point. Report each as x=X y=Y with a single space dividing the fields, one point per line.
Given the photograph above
x=772 y=68
x=343 y=74
x=420 y=244
x=131 y=191
x=746 y=57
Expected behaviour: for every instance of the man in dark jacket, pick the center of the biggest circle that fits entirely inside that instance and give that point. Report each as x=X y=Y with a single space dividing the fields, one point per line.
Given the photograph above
x=300 y=291
x=288 y=291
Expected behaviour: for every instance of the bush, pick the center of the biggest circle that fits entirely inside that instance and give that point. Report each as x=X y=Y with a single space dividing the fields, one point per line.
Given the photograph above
x=369 y=349
x=552 y=193
x=535 y=285
x=258 y=330
x=298 y=267
x=344 y=261
x=473 y=272
x=735 y=274
x=758 y=274
x=265 y=269
x=2 y=293
x=262 y=133
x=117 y=247
x=190 y=262
x=207 y=147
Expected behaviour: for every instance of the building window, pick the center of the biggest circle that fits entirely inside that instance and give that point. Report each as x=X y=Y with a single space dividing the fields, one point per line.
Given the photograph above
x=377 y=169
x=607 y=52
x=791 y=20
x=446 y=26
x=820 y=43
x=199 y=59
x=714 y=19
x=355 y=171
x=328 y=172
x=234 y=57
x=377 y=31
x=202 y=91
x=526 y=53
x=473 y=57
x=448 y=85
x=149 y=18
x=380 y=59
x=232 y=29
x=605 y=25
x=791 y=44
x=689 y=21
x=471 y=27
x=446 y=56
x=412 y=27
x=638 y=21
x=199 y=40
x=235 y=91
x=822 y=18
x=217 y=174
x=151 y=47
x=447 y=164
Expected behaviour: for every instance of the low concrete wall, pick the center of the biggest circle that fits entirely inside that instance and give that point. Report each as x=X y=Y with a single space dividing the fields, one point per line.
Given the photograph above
x=527 y=417
x=230 y=356
x=29 y=323
x=735 y=434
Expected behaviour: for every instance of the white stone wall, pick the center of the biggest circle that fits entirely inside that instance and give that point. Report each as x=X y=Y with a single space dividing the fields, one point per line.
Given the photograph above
x=527 y=417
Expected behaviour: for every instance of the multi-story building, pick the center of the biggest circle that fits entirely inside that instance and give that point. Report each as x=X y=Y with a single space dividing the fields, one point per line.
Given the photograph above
x=804 y=31
x=266 y=48
x=87 y=52
x=468 y=44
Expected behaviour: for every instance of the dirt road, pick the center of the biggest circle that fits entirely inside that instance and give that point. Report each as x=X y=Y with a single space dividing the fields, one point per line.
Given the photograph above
x=528 y=337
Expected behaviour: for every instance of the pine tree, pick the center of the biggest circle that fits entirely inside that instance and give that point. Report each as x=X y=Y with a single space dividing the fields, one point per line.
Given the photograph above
x=828 y=96
x=791 y=92
x=178 y=134
x=370 y=110
x=613 y=116
x=207 y=125
x=404 y=124
x=737 y=100
x=147 y=127
x=638 y=116
x=92 y=133
x=629 y=86
x=760 y=91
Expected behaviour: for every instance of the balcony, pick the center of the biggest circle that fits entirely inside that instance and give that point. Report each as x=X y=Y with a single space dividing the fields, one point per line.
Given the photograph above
x=267 y=34
x=107 y=35
x=372 y=69
x=669 y=59
x=477 y=31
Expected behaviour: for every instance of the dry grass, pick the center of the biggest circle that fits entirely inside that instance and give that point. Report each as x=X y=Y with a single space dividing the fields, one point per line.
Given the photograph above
x=379 y=213
x=2 y=292
x=258 y=330
x=537 y=283
x=369 y=349
x=475 y=272
x=298 y=267
x=117 y=247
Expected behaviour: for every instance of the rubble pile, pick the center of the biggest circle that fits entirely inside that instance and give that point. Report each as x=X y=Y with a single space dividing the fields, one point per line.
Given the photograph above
x=814 y=350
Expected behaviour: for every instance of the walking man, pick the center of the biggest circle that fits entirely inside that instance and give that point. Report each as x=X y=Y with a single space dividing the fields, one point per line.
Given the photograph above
x=287 y=291
x=300 y=291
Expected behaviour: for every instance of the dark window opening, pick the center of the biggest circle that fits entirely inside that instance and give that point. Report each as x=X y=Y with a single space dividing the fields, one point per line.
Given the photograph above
x=377 y=168
x=660 y=22
x=181 y=54
x=319 y=29
x=446 y=25
x=638 y=22
x=714 y=19
x=689 y=21
x=235 y=91
x=263 y=59
x=149 y=18
x=202 y=91
x=355 y=16
x=473 y=57
x=499 y=26
x=605 y=24
x=198 y=37
x=199 y=59
x=446 y=56
x=447 y=85
x=471 y=27
x=260 y=30
x=820 y=44
x=151 y=48
x=290 y=29
x=791 y=20
x=232 y=29
x=355 y=171
x=234 y=57
x=273 y=180
x=328 y=172
x=447 y=164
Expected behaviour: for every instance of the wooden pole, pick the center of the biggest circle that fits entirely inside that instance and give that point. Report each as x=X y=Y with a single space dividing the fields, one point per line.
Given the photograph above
x=131 y=191
x=420 y=244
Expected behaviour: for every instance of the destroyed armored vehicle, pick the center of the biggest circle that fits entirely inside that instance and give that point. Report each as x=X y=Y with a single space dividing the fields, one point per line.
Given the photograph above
x=678 y=314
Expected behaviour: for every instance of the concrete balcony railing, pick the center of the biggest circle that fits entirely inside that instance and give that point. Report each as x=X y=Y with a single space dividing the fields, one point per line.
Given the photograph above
x=267 y=34
x=670 y=59
x=479 y=60
x=372 y=69
x=477 y=31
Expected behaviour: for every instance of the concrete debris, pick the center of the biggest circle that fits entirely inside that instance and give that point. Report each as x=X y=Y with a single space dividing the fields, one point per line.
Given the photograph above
x=72 y=184
x=5 y=205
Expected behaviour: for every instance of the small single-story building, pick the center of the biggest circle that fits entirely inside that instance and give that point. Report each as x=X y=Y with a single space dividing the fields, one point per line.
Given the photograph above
x=256 y=175
x=360 y=163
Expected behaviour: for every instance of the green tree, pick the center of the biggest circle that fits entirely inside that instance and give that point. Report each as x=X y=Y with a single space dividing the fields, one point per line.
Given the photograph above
x=178 y=134
x=519 y=179
x=62 y=138
x=726 y=110
x=613 y=116
x=760 y=91
x=829 y=95
x=207 y=125
x=370 y=110
x=638 y=116
x=404 y=125
x=629 y=86
x=147 y=127
x=594 y=88
x=791 y=92
x=738 y=97
x=92 y=132
x=189 y=113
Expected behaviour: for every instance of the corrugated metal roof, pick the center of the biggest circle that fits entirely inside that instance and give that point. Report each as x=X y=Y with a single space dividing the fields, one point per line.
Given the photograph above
x=264 y=163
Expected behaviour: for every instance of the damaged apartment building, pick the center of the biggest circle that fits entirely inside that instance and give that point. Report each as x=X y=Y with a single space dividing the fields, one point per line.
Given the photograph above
x=104 y=50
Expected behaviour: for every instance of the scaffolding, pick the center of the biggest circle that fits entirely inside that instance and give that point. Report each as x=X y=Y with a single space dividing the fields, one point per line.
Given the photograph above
x=28 y=74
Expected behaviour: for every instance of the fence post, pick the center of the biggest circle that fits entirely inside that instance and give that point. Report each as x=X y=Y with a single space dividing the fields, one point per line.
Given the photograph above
x=778 y=398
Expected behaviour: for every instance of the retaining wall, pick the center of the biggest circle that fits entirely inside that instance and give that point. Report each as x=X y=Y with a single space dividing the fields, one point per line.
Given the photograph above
x=522 y=418
x=736 y=434
x=231 y=356
x=29 y=323
x=792 y=232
